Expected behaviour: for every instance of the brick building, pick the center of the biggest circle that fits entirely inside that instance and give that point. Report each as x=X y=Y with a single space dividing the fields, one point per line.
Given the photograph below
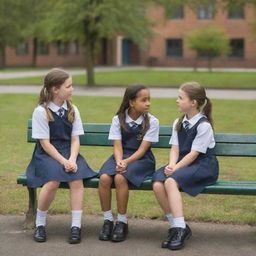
x=166 y=48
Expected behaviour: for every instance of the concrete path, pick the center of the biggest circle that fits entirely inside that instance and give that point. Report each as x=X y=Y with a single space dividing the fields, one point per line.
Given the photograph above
x=145 y=237
x=119 y=91
x=19 y=74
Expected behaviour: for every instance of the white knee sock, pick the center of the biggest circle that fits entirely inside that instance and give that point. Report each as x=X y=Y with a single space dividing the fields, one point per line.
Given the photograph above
x=122 y=218
x=179 y=222
x=170 y=219
x=108 y=215
x=76 y=218
x=41 y=218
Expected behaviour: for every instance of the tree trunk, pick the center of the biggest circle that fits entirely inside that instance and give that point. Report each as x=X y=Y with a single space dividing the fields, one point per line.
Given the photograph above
x=195 y=63
x=89 y=61
x=2 y=56
x=34 y=54
x=210 y=64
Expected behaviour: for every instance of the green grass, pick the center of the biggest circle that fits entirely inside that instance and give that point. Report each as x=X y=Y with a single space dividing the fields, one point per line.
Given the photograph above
x=236 y=116
x=157 y=78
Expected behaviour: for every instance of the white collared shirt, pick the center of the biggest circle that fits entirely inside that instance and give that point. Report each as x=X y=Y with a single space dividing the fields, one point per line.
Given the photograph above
x=204 y=138
x=151 y=134
x=40 y=126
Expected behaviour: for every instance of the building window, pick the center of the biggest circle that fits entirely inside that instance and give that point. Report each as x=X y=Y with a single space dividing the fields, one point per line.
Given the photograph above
x=74 y=47
x=42 y=48
x=62 y=48
x=174 y=48
x=236 y=12
x=177 y=12
x=22 y=49
x=237 y=48
x=206 y=12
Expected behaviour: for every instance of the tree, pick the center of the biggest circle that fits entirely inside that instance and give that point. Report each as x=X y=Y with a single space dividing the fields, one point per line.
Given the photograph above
x=209 y=41
x=37 y=26
x=13 y=19
x=89 y=21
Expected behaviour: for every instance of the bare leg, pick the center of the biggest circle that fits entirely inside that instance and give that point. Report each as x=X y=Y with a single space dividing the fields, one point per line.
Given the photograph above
x=47 y=195
x=174 y=197
x=122 y=193
x=161 y=196
x=105 y=191
x=76 y=194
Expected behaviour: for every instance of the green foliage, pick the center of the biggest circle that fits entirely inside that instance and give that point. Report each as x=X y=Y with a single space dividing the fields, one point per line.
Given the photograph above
x=12 y=20
x=87 y=20
x=208 y=41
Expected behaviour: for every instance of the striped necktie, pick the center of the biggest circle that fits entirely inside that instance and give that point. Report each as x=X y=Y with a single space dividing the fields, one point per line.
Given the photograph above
x=186 y=125
x=61 y=112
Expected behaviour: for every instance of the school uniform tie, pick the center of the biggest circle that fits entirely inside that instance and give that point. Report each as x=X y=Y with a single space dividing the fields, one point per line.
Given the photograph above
x=186 y=125
x=61 y=112
x=134 y=125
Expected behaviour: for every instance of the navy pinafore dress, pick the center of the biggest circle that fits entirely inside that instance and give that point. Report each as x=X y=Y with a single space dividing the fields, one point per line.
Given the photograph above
x=203 y=172
x=138 y=170
x=43 y=168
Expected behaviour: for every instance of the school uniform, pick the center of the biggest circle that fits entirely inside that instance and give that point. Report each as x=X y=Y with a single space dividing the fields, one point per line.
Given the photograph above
x=204 y=170
x=42 y=167
x=131 y=139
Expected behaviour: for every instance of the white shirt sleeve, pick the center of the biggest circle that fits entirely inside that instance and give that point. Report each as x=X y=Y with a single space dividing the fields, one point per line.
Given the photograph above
x=174 y=138
x=204 y=138
x=40 y=126
x=115 y=129
x=152 y=133
x=77 y=124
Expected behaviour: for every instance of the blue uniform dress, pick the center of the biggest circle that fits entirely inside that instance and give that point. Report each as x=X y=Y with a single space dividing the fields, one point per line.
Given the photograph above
x=202 y=172
x=138 y=170
x=43 y=168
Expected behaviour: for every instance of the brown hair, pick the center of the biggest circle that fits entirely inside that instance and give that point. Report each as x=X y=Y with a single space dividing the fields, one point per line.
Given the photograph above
x=197 y=92
x=55 y=78
x=131 y=93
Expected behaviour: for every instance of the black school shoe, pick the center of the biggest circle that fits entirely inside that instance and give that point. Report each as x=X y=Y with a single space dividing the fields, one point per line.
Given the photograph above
x=167 y=240
x=75 y=235
x=120 y=232
x=106 y=232
x=40 y=234
x=180 y=235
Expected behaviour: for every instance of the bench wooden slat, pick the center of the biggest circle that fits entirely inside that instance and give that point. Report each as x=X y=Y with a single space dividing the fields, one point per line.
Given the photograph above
x=221 y=149
x=221 y=187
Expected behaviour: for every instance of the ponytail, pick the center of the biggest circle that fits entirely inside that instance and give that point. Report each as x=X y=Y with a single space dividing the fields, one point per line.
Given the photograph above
x=71 y=112
x=45 y=97
x=207 y=110
x=179 y=123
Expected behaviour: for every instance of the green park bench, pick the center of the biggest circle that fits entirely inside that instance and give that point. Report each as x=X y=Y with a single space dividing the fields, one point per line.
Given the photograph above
x=240 y=145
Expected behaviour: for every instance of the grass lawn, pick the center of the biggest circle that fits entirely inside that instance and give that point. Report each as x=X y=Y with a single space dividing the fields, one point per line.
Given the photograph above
x=235 y=116
x=157 y=78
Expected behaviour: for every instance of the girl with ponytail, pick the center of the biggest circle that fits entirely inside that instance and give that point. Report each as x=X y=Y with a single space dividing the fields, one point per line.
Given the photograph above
x=133 y=130
x=56 y=125
x=192 y=165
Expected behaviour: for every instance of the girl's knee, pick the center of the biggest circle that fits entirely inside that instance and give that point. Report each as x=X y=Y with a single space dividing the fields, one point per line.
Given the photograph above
x=52 y=185
x=120 y=180
x=170 y=182
x=158 y=185
x=105 y=180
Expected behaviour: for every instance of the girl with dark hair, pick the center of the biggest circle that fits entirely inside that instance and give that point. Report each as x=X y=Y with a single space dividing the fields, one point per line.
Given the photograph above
x=192 y=165
x=132 y=130
x=56 y=125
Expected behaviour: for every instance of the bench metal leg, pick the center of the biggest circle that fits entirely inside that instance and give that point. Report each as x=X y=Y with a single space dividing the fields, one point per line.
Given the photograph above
x=32 y=206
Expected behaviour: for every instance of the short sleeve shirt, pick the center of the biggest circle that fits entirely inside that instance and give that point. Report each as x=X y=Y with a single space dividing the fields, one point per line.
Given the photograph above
x=40 y=126
x=151 y=134
x=204 y=138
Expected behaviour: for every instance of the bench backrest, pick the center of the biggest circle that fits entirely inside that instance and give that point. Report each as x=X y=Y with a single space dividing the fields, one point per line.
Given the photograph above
x=227 y=144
